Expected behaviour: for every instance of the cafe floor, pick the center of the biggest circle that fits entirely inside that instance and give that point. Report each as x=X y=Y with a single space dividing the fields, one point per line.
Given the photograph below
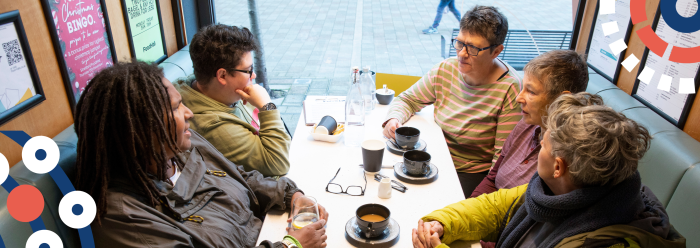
x=310 y=45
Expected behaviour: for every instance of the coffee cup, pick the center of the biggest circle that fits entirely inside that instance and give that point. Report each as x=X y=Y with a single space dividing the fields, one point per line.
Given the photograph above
x=327 y=125
x=372 y=155
x=407 y=137
x=416 y=162
x=372 y=219
x=384 y=96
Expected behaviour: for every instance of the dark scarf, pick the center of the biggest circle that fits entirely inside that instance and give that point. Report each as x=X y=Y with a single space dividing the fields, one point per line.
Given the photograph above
x=582 y=210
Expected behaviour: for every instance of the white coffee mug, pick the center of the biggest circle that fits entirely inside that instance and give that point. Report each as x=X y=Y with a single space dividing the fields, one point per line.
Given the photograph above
x=385 y=188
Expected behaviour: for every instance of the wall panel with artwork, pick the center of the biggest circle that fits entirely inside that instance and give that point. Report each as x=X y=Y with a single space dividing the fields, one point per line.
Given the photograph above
x=54 y=114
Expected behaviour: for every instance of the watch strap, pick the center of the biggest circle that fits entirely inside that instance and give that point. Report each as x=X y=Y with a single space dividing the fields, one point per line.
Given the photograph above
x=291 y=242
x=268 y=106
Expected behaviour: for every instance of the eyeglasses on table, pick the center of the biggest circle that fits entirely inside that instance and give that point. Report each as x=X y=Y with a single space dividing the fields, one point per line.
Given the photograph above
x=352 y=190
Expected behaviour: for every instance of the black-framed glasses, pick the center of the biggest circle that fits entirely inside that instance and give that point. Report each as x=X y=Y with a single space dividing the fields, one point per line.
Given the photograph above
x=244 y=71
x=350 y=190
x=471 y=50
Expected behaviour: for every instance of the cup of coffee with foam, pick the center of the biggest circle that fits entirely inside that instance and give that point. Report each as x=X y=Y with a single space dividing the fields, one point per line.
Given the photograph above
x=372 y=219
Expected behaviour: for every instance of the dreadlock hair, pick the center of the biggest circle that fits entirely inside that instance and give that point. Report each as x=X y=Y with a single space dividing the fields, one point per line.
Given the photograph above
x=124 y=125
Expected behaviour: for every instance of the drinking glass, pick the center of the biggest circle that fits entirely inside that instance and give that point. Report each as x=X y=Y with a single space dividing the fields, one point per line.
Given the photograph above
x=305 y=211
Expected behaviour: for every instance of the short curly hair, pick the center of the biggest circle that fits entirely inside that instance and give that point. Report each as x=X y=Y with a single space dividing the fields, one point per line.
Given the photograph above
x=219 y=46
x=559 y=71
x=487 y=22
x=601 y=146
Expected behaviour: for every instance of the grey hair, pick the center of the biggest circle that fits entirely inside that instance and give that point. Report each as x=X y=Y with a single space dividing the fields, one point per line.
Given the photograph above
x=559 y=71
x=487 y=22
x=600 y=145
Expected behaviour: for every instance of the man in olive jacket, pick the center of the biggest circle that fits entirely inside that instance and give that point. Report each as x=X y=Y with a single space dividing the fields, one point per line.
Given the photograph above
x=221 y=86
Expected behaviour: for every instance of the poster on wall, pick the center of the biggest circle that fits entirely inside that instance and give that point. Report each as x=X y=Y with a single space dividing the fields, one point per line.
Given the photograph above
x=659 y=84
x=20 y=88
x=145 y=30
x=609 y=30
x=82 y=40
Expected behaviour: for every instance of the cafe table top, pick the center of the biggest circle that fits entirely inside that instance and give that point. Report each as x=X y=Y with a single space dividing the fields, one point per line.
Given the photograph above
x=314 y=163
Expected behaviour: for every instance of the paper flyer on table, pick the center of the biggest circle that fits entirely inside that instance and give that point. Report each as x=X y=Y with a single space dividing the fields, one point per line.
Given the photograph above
x=316 y=107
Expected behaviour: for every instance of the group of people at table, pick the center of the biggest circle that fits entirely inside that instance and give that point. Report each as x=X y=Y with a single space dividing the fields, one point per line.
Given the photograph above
x=541 y=162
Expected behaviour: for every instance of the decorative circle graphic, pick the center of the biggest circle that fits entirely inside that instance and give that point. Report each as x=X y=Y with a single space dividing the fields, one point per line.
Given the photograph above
x=4 y=168
x=77 y=209
x=40 y=239
x=676 y=21
x=25 y=203
x=40 y=145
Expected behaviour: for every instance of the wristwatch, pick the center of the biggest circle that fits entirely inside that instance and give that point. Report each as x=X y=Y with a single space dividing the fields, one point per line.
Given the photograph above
x=268 y=106
x=289 y=244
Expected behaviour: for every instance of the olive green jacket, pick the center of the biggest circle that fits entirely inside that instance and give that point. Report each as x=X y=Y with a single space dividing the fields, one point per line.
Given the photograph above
x=230 y=131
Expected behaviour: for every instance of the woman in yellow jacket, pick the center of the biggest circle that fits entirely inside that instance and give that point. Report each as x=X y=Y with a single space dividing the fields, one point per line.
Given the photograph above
x=586 y=192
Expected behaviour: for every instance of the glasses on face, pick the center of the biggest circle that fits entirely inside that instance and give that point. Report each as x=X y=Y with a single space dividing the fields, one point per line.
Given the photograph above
x=471 y=50
x=350 y=190
x=244 y=71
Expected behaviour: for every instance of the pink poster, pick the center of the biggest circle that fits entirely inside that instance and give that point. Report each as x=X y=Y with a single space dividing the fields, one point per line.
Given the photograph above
x=83 y=39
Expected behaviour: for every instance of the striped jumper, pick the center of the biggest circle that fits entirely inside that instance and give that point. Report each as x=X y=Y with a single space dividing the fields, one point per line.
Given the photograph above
x=475 y=120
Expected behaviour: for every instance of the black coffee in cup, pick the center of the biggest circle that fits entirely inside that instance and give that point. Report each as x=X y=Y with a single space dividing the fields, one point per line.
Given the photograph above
x=372 y=219
x=407 y=137
x=416 y=163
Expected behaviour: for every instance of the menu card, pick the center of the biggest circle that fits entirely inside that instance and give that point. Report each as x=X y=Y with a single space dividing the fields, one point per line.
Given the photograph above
x=316 y=107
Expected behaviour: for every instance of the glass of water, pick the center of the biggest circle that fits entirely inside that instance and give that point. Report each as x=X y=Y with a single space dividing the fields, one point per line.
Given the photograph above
x=305 y=211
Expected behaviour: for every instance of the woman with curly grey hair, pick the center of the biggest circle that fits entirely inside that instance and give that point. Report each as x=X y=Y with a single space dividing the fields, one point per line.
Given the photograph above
x=586 y=192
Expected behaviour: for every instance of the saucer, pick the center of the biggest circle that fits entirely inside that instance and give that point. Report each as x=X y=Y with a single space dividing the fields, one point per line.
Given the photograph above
x=353 y=235
x=420 y=146
x=401 y=175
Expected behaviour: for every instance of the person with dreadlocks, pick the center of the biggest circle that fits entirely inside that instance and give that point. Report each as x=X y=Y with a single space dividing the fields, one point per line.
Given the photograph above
x=158 y=183
x=217 y=92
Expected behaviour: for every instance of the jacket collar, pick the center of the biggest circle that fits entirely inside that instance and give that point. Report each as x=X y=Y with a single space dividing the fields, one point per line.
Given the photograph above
x=198 y=102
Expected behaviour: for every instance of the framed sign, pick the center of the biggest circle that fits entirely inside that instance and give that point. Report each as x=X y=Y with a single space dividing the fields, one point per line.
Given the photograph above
x=658 y=84
x=608 y=32
x=82 y=40
x=20 y=88
x=145 y=30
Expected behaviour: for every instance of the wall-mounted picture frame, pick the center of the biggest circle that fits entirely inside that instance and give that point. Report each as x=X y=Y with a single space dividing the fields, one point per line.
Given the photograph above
x=600 y=56
x=145 y=30
x=670 y=105
x=20 y=88
x=82 y=40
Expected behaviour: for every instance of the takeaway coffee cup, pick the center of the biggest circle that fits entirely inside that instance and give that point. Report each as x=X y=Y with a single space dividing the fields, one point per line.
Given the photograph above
x=407 y=137
x=328 y=123
x=416 y=162
x=372 y=155
x=372 y=219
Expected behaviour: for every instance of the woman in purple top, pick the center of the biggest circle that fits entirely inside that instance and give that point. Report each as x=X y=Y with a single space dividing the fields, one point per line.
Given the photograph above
x=546 y=77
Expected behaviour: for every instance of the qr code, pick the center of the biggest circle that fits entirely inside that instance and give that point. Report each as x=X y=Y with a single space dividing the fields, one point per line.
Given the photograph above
x=13 y=52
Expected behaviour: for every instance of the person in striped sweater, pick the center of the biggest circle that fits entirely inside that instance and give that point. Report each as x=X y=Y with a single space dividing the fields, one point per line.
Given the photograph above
x=473 y=94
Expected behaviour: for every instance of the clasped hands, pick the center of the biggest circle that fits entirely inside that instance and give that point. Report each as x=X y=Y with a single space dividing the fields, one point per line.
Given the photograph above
x=427 y=235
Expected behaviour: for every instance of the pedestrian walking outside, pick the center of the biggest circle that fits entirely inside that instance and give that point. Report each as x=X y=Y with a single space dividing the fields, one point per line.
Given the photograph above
x=441 y=7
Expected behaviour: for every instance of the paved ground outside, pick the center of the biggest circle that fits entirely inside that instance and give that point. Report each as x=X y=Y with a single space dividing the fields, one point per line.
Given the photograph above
x=310 y=45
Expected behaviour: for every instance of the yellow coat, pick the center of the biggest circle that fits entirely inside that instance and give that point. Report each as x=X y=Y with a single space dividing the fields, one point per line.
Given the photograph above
x=481 y=218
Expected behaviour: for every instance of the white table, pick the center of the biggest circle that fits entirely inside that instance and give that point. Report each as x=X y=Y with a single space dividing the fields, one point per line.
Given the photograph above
x=313 y=164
